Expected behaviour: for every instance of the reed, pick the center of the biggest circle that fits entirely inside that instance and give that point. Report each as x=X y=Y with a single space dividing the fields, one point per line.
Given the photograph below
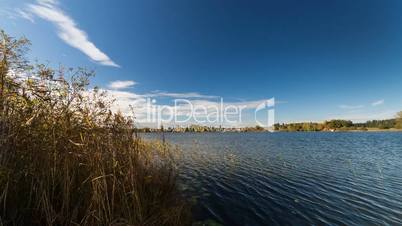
x=67 y=159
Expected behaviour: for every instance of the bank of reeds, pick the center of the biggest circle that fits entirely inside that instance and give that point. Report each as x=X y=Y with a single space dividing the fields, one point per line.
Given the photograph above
x=67 y=159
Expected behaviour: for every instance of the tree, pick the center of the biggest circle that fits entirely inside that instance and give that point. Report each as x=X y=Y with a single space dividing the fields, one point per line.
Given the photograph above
x=336 y=124
x=399 y=120
x=259 y=128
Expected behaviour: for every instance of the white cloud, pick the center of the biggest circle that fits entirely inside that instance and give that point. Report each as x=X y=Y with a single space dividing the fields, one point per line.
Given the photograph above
x=351 y=107
x=143 y=106
x=52 y=2
x=25 y=15
x=8 y=13
x=121 y=84
x=378 y=102
x=68 y=30
x=180 y=95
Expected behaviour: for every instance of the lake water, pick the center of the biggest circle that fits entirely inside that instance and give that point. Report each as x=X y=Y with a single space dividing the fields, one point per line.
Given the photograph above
x=293 y=178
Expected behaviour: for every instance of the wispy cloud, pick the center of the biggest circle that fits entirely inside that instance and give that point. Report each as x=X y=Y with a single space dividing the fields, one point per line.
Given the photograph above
x=28 y=16
x=67 y=29
x=180 y=95
x=9 y=13
x=377 y=103
x=141 y=106
x=351 y=107
x=121 y=84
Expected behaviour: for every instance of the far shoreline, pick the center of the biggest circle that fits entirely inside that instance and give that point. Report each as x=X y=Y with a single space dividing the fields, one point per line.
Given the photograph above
x=346 y=131
x=369 y=130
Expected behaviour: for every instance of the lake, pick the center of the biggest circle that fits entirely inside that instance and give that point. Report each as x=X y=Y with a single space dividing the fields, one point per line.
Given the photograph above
x=298 y=178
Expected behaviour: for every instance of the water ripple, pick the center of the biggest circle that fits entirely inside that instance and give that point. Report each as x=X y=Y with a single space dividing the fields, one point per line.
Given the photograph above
x=294 y=178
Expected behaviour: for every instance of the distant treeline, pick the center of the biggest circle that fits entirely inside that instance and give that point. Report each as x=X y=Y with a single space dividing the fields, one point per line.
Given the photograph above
x=331 y=125
x=199 y=129
x=341 y=125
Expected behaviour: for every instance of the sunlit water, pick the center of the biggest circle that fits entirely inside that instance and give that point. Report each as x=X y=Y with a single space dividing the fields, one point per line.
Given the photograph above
x=293 y=178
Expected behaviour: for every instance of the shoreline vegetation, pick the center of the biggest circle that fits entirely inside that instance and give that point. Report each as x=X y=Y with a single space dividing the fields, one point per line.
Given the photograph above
x=388 y=125
x=67 y=159
x=391 y=125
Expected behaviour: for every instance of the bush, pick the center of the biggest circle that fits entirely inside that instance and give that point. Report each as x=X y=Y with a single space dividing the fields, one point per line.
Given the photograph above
x=67 y=159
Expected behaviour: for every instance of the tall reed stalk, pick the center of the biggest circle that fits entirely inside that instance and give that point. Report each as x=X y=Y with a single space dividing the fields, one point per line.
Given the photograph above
x=67 y=159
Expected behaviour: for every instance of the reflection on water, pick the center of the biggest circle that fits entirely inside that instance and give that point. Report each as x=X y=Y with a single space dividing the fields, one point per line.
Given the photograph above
x=293 y=178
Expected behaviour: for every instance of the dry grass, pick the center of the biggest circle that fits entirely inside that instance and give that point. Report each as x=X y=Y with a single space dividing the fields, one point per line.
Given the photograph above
x=66 y=159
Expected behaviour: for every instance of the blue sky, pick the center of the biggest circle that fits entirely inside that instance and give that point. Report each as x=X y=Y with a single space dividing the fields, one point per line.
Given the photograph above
x=319 y=59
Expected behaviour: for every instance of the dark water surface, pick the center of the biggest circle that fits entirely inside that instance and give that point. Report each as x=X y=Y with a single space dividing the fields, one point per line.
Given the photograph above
x=293 y=178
